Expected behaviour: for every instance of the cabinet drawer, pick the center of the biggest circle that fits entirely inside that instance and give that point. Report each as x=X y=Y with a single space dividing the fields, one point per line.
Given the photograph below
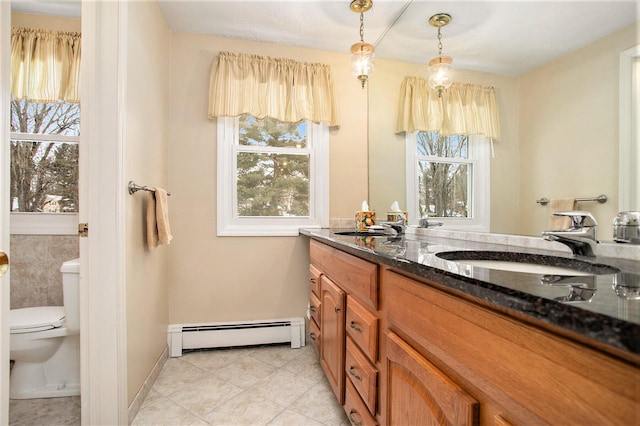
x=314 y=335
x=362 y=374
x=362 y=327
x=355 y=408
x=354 y=275
x=314 y=280
x=314 y=307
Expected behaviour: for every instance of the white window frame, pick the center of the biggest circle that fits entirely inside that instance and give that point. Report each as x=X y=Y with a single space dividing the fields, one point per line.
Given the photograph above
x=37 y=223
x=480 y=158
x=230 y=224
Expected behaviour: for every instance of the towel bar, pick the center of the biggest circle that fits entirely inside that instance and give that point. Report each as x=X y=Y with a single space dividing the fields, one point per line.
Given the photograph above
x=134 y=187
x=600 y=198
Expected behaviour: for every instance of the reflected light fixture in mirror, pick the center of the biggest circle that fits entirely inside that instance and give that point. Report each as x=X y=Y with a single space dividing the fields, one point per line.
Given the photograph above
x=361 y=52
x=440 y=67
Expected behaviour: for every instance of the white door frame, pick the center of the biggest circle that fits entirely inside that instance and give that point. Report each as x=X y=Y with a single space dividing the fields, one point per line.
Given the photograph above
x=102 y=267
x=5 y=152
x=102 y=196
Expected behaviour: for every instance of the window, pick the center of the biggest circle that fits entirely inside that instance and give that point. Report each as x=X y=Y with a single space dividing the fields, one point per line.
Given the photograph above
x=448 y=179
x=272 y=176
x=44 y=167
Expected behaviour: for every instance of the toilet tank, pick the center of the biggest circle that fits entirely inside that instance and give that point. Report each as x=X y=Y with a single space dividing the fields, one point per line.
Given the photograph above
x=71 y=293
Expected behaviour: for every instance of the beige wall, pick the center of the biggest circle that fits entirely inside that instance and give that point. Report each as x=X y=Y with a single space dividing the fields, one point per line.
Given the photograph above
x=387 y=152
x=569 y=132
x=53 y=23
x=245 y=278
x=146 y=162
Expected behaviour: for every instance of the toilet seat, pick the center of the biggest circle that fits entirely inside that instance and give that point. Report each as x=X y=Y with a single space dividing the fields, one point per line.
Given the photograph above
x=30 y=320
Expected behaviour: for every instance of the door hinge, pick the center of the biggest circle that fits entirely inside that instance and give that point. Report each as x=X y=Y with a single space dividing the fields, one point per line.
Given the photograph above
x=83 y=229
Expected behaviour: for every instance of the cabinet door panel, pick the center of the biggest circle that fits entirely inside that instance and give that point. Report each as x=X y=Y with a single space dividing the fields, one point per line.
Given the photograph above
x=417 y=393
x=332 y=303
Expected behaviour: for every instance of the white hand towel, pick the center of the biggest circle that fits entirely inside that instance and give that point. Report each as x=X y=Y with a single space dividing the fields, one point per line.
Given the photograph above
x=558 y=223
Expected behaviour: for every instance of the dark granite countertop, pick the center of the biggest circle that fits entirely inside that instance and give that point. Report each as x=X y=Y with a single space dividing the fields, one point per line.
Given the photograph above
x=591 y=307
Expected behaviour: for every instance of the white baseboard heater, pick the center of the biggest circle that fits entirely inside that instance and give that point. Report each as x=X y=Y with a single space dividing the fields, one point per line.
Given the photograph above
x=237 y=333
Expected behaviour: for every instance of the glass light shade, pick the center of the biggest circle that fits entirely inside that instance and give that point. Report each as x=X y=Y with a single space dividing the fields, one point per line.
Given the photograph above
x=362 y=61
x=440 y=77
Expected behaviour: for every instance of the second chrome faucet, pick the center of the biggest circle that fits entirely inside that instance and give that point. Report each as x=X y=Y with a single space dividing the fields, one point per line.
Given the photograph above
x=580 y=237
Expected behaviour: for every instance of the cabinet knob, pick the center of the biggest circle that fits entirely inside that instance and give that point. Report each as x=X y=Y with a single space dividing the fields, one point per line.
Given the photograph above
x=355 y=326
x=312 y=280
x=312 y=336
x=312 y=308
x=354 y=421
x=336 y=309
x=351 y=371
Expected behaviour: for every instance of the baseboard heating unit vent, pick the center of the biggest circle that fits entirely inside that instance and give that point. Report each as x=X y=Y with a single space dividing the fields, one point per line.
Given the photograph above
x=238 y=333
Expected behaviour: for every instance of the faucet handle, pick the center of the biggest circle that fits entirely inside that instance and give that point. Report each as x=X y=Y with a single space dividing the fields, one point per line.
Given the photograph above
x=579 y=218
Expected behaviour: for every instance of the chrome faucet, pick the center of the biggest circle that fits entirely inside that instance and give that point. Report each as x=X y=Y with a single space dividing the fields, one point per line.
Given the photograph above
x=580 y=237
x=398 y=226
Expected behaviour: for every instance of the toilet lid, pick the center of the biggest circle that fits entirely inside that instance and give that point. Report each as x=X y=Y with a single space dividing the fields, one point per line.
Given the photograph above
x=29 y=320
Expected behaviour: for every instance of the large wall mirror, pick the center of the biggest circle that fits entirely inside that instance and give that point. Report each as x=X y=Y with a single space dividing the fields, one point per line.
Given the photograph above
x=561 y=118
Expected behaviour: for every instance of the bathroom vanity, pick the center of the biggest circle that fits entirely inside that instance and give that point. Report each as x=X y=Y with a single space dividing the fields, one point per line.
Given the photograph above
x=406 y=337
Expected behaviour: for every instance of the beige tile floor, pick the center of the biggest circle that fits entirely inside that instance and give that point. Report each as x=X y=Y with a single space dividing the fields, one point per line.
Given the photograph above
x=269 y=385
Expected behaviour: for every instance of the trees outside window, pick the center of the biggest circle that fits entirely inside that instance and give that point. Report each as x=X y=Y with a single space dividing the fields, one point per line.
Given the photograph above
x=273 y=168
x=444 y=175
x=44 y=156
x=272 y=176
x=448 y=178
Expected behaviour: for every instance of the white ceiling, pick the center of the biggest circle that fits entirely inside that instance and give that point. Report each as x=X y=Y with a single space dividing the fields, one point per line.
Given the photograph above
x=505 y=37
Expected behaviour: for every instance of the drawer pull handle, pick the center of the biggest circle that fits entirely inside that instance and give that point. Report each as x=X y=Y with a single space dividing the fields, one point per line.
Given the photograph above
x=312 y=308
x=312 y=336
x=336 y=309
x=355 y=326
x=354 y=421
x=354 y=374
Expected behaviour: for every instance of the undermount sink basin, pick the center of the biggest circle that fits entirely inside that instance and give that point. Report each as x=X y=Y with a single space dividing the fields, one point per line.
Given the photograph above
x=363 y=233
x=528 y=263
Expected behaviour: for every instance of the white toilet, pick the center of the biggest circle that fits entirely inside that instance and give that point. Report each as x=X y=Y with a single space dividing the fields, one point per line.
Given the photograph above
x=45 y=344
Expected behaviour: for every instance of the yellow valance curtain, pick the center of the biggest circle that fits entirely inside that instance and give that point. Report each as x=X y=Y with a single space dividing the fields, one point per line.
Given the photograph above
x=278 y=88
x=463 y=109
x=45 y=65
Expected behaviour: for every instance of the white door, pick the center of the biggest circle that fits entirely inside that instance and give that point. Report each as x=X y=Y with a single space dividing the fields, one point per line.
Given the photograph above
x=5 y=56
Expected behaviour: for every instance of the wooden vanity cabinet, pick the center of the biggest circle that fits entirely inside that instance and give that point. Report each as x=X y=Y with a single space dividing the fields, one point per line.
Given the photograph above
x=497 y=368
x=401 y=350
x=348 y=302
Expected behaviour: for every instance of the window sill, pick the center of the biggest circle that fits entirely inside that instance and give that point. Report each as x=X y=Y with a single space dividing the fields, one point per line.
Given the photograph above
x=44 y=223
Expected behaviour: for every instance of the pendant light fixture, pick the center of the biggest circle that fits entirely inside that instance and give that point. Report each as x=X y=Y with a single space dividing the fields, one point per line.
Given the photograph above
x=440 y=67
x=361 y=52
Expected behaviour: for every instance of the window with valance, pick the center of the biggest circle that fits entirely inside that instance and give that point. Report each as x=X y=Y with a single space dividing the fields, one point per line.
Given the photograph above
x=45 y=129
x=447 y=151
x=272 y=117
